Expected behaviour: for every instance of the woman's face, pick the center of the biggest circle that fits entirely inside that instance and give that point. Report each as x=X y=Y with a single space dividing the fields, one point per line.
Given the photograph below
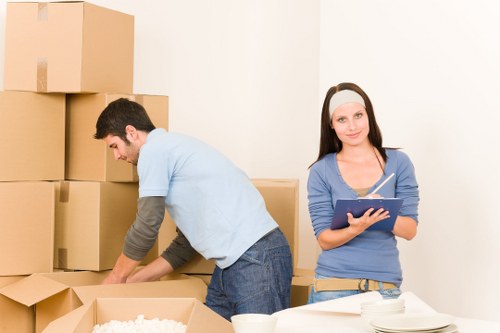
x=350 y=122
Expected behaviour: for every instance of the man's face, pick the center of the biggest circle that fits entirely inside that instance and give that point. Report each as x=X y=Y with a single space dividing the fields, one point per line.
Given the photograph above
x=127 y=151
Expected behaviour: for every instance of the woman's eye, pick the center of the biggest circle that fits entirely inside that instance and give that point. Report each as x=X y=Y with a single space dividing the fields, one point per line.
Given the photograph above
x=341 y=120
x=358 y=115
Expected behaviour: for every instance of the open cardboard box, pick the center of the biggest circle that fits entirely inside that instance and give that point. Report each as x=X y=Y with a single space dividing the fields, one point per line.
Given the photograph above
x=190 y=311
x=56 y=294
x=14 y=317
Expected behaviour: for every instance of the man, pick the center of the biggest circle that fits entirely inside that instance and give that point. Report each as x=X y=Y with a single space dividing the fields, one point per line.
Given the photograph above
x=216 y=208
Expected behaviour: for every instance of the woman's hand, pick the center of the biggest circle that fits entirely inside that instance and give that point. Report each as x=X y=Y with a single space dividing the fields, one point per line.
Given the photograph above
x=360 y=224
x=329 y=239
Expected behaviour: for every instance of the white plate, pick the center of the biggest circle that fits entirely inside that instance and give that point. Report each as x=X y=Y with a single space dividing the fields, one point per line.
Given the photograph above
x=412 y=322
x=448 y=329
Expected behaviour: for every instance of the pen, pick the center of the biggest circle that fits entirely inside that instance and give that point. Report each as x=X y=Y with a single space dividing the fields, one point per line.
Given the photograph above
x=383 y=183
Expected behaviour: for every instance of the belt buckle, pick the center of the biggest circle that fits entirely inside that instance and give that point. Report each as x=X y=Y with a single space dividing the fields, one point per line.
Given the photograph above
x=362 y=285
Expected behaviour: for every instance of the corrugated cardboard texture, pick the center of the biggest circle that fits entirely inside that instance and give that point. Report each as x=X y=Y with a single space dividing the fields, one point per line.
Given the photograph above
x=182 y=287
x=27 y=227
x=35 y=127
x=50 y=293
x=90 y=159
x=92 y=219
x=14 y=317
x=68 y=47
x=301 y=287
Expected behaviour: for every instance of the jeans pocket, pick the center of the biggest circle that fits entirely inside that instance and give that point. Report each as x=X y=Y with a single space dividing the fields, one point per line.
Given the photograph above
x=253 y=256
x=390 y=293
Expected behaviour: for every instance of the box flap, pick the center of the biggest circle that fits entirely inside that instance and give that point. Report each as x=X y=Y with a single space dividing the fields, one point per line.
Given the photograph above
x=32 y=289
x=203 y=319
x=81 y=278
x=193 y=288
x=81 y=318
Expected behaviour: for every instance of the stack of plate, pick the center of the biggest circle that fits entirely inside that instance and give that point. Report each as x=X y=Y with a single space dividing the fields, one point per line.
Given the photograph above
x=377 y=309
x=415 y=323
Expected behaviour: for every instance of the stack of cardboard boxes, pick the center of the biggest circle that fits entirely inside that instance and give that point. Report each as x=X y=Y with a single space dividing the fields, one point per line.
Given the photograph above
x=65 y=202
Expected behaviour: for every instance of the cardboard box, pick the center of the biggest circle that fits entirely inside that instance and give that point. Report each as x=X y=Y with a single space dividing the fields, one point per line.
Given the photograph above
x=34 y=128
x=281 y=198
x=27 y=227
x=301 y=288
x=57 y=294
x=91 y=221
x=71 y=46
x=90 y=159
x=14 y=317
x=198 y=317
x=282 y=202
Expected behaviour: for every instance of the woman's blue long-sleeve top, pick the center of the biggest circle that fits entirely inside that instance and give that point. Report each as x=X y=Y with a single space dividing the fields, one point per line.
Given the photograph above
x=372 y=254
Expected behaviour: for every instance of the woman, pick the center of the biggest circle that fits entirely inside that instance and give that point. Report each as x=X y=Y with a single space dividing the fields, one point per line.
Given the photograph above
x=352 y=162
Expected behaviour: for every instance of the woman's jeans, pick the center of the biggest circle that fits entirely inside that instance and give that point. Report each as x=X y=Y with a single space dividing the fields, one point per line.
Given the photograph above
x=258 y=282
x=319 y=296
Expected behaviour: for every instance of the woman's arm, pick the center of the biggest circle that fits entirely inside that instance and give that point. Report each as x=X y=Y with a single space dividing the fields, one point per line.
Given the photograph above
x=329 y=239
x=405 y=227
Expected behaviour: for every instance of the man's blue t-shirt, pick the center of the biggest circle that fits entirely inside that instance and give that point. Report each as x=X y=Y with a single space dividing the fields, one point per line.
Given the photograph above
x=212 y=201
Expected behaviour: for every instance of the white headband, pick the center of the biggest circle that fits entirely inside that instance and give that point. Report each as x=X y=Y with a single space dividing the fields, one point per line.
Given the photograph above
x=343 y=97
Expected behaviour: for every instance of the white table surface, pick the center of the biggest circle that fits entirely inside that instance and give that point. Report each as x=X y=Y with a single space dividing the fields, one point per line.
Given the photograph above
x=343 y=316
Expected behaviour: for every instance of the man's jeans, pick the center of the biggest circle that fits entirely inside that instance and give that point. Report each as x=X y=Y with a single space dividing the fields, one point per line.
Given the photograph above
x=258 y=282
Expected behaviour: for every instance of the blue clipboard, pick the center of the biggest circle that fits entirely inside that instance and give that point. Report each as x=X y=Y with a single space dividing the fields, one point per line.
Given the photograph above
x=358 y=207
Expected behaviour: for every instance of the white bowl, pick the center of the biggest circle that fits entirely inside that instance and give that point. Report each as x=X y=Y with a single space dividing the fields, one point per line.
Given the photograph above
x=254 y=323
x=376 y=309
x=367 y=318
x=383 y=305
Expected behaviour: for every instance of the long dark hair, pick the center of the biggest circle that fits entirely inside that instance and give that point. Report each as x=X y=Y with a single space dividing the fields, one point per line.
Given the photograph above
x=329 y=141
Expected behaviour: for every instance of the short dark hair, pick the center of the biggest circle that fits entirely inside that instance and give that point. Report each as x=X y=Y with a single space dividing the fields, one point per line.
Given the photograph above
x=120 y=113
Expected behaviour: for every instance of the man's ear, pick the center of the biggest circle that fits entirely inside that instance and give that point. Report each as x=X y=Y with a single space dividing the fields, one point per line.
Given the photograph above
x=131 y=132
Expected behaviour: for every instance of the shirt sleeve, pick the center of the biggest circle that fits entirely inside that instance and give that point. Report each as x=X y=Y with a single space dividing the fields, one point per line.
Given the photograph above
x=179 y=251
x=320 y=200
x=143 y=233
x=407 y=187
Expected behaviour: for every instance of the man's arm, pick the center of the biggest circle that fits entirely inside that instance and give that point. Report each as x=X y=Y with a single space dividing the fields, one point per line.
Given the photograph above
x=140 y=238
x=123 y=267
x=178 y=253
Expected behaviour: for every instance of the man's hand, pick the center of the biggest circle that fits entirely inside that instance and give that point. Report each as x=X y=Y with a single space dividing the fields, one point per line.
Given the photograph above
x=123 y=268
x=152 y=272
x=113 y=278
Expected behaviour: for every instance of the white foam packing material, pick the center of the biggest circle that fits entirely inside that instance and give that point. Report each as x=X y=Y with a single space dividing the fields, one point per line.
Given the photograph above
x=141 y=325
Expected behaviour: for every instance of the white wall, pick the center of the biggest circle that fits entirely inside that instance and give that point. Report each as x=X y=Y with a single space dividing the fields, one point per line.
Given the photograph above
x=249 y=77
x=432 y=71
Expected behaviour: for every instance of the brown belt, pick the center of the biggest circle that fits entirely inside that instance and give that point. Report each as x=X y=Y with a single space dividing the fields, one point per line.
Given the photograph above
x=332 y=284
